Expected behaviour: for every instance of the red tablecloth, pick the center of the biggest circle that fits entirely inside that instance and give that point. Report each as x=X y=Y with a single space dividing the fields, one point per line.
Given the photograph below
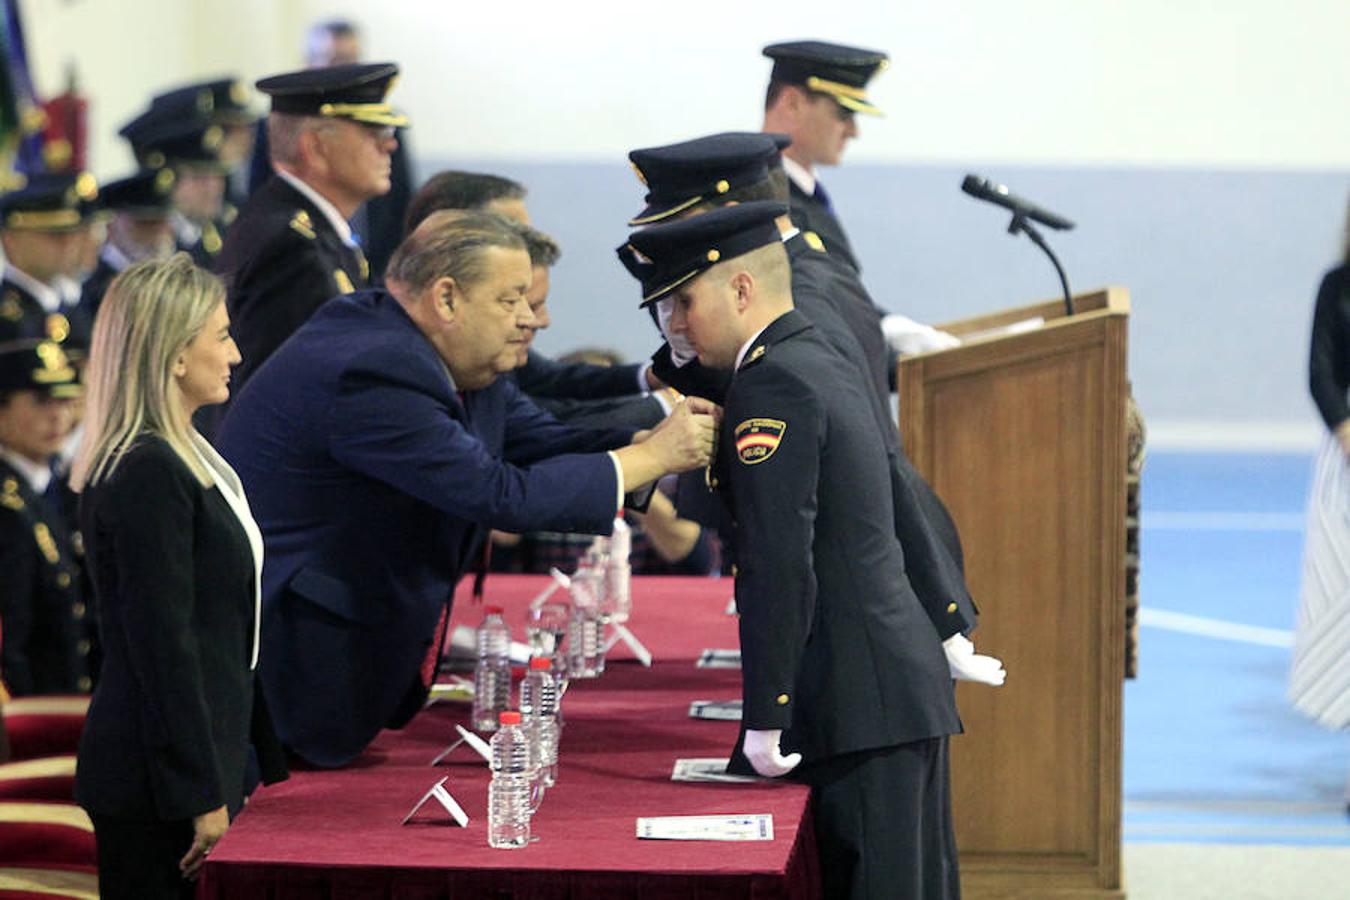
x=336 y=834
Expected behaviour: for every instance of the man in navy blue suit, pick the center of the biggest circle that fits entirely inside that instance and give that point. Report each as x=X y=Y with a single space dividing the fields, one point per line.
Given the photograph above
x=379 y=444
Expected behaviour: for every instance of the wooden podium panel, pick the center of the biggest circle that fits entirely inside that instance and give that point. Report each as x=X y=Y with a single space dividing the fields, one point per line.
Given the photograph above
x=1023 y=436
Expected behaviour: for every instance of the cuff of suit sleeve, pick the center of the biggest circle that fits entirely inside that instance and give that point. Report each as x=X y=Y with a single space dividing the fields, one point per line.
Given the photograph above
x=618 y=479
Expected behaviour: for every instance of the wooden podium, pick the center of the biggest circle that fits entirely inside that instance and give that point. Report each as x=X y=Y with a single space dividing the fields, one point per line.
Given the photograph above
x=1022 y=434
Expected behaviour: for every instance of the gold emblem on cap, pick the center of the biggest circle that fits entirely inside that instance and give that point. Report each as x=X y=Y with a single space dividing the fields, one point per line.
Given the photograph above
x=86 y=186
x=714 y=255
x=239 y=92
x=163 y=181
x=723 y=186
x=55 y=366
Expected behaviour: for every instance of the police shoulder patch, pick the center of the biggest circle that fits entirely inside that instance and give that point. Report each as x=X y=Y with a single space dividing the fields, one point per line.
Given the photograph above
x=757 y=439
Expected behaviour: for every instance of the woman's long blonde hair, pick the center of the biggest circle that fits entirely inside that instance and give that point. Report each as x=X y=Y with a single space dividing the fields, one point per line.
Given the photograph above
x=150 y=314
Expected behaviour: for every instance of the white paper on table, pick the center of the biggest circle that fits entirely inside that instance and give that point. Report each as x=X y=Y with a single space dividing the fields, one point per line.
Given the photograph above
x=706 y=769
x=750 y=827
x=1018 y=327
x=447 y=802
x=717 y=710
x=720 y=659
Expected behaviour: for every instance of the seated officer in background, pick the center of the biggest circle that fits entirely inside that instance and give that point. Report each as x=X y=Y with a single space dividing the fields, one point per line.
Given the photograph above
x=379 y=445
x=575 y=392
x=48 y=631
x=44 y=230
x=188 y=143
x=330 y=135
x=842 y=672
x=815 y=91
x=140 y=206
x=694 y=177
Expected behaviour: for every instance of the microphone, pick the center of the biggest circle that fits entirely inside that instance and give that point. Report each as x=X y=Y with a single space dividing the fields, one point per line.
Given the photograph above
x=984 y=189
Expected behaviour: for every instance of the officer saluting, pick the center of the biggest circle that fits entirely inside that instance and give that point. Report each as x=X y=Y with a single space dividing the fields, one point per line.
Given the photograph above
x=842 y=670
x=48 y=631
x=330 y=135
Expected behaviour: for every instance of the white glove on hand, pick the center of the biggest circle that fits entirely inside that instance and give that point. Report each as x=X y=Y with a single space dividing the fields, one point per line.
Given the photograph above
x=906 y=336
x=967 y=665
x=682 y=353
x=761 y=748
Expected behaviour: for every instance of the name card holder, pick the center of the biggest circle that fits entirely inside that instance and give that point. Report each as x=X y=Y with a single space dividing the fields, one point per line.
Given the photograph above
x=466 y=736
x=442 y=796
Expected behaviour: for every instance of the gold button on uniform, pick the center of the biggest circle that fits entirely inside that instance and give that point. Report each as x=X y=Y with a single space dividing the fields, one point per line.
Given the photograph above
x=85 y=684
x=83 y=648
x=782 y=700
x=79 y=610
x=63 y=580
x=951 y=607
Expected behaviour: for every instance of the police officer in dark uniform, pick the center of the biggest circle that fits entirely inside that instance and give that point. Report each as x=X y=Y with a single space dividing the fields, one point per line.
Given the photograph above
x=225 y=102
x=815 y=90
x=190 y=144
x=48 y=632
x=140 y=206
x=44 y=230
x=330 y=136
x=705 y=173
x=842 y=671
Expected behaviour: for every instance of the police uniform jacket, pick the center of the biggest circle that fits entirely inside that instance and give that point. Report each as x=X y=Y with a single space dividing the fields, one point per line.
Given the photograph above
x=47 y=646
x=835 y=648
x=95 y=286
x=928 y=536
x=810 y=214
x=169 y=728
x=374 y=482
x=281 y=260
x=23 y=316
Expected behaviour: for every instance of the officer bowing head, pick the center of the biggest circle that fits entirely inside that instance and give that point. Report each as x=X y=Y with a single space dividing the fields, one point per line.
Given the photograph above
x=724 y=277
x=464 y=279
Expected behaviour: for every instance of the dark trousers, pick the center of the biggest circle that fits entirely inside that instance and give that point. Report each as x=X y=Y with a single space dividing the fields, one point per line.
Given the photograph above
x=883 y=823
x=139 y=860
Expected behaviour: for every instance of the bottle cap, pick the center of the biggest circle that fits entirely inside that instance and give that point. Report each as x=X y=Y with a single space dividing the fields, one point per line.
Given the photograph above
x=509 y=717
x=492 y=610
x=540 y=662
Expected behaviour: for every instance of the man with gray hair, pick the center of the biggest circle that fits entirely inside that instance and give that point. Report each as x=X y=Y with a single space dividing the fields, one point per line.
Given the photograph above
x=331 y=133
x=379 y=445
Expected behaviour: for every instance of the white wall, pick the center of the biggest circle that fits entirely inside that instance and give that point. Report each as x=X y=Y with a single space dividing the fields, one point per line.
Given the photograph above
x=1241 y=83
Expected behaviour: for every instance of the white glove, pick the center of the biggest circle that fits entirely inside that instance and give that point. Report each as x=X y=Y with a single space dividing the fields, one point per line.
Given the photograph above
x=682 y=353
x=906 y=336
x=967 y=665
x=761 y=748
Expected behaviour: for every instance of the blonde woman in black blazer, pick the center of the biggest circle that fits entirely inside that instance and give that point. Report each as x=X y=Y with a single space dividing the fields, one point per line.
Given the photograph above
x=176 y=560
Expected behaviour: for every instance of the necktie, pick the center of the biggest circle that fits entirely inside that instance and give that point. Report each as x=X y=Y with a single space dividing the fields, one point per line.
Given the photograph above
x=822 y=197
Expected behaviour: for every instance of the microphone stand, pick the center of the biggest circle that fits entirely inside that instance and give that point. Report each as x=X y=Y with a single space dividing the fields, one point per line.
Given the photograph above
x=1020 y=223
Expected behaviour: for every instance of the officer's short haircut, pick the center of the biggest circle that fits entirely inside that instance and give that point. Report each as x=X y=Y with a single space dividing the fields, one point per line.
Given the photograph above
x=450 y=243
x=769 y=266
x=771 y=94
x=459 y=190
x=544 y=250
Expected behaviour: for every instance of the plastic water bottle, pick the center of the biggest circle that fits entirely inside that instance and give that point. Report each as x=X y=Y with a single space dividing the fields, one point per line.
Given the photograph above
x=586 y=630
x=492 y=676
x=510 y=788
x=539 y=713
x=619 y=572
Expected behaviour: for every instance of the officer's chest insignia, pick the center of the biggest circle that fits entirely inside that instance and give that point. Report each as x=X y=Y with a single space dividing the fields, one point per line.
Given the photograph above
x=755 y=354
x=813 y=241
x=302 y=224
x=344 y=283
x=9 y=497
x=58 y=327
x=757 y=439
x=45 y=543
x=10 y=308
x=211 y=241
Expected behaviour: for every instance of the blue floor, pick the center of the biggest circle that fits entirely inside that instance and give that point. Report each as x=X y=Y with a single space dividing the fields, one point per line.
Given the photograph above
x=1213 y=752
